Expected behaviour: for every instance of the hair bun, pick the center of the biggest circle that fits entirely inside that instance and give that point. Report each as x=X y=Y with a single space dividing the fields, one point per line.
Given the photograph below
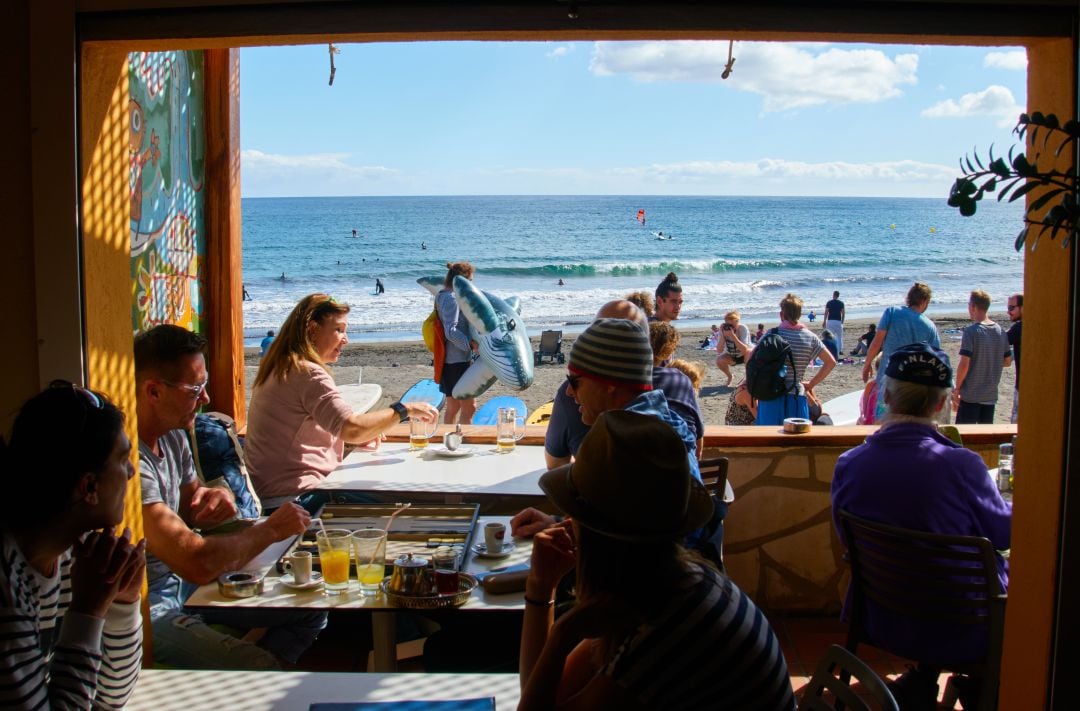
x=672 y=278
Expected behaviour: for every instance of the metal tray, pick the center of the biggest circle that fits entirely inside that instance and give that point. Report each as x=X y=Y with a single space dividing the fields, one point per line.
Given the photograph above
x=466 y=584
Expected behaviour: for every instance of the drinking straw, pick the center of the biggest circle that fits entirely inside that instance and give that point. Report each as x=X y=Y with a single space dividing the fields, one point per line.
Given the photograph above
x=390 y=521
x=321 y=527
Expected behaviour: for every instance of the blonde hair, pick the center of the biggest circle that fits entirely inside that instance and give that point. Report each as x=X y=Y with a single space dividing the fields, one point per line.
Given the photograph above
x=980 y=300
x=694 y=371
x=732 y=315
x=791 y=308
x=293 y=345
x=664 y=339
x=643 y=300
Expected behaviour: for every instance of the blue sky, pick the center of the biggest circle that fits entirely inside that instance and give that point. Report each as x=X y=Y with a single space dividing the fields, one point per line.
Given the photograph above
x=651 y=118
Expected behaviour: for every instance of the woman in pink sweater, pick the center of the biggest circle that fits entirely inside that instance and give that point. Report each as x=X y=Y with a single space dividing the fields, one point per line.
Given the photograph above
x=298 y=423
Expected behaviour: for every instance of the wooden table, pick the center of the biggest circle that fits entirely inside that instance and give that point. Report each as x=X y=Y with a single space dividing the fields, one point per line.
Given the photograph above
x=187 y=690
x=384 y=633
x=361 y=397
x=394 y=469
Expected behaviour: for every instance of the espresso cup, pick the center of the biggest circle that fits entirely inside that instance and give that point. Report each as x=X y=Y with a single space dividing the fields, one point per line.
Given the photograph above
x=494 y=536
x=299 y=564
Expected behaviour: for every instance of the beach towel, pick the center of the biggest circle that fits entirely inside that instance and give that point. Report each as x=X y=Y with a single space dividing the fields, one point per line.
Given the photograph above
x=767 y=367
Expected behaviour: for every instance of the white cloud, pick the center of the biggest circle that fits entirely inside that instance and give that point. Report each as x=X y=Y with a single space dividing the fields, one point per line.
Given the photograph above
x=314 y=173
x=559 y=51
x=994 y=100
x=787 y=75
x=1015 y=60
x=779 y=169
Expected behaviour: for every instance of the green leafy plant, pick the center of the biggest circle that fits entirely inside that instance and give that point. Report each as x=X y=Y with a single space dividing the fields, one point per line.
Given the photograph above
x=1014 y=176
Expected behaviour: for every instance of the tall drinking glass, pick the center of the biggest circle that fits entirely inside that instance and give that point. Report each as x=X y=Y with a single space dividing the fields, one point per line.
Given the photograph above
x=509 y=428
x=370 y=547
x=335 y=545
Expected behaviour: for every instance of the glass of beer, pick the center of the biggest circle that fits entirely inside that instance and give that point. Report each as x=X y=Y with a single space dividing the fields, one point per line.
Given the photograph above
x=419 y=433
x=335 y=546
x=370 y=547
x=509 y=428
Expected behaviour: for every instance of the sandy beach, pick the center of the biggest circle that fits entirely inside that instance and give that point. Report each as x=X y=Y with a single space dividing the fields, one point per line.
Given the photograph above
x=397 y=366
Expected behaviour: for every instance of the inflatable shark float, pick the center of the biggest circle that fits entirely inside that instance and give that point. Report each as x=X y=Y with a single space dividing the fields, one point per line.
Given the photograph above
x=496 y=326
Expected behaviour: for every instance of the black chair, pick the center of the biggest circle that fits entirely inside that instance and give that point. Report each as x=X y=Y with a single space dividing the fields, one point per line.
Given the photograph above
x=714 y=477
x=833 y=674
x=550 y=347
x=931 y=579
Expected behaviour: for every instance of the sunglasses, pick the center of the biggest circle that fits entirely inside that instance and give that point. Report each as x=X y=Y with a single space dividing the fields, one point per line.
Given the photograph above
x=195 y=391
x=1012 y=307
x=87 y=396
x=573 y=380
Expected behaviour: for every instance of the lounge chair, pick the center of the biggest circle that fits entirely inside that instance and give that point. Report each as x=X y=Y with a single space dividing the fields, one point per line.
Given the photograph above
x=550 y=347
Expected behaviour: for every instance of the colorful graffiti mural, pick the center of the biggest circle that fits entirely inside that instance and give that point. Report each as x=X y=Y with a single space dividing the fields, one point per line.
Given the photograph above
x=167 y=153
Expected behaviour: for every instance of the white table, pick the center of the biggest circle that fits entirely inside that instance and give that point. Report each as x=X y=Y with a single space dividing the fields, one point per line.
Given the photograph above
x=384 y=633
x=361 y=397
x=394 y=469
x=184 y=690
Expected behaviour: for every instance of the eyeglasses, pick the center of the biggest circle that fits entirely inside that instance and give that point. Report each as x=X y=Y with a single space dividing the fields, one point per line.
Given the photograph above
x=573 y=380
x=196 y=391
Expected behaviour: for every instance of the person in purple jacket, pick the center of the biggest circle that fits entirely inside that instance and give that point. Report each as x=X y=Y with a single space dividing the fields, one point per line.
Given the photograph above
x=909 y=475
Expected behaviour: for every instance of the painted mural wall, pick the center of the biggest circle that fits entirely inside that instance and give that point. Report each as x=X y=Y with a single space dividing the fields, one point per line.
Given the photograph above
x=167 y=152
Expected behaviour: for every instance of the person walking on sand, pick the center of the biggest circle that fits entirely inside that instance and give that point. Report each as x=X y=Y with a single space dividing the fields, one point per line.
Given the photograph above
x=984 y=352
x=834 y=319
x=899 y=326
x=459 y=347
x=1016 y=315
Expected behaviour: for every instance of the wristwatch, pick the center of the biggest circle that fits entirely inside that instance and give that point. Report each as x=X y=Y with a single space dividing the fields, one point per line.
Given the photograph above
x=403 y=413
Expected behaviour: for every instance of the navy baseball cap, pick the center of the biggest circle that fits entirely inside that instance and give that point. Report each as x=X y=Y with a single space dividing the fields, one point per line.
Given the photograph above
x=920 y=363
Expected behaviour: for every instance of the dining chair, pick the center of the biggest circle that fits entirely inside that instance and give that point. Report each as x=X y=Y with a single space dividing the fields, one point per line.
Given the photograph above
x=714 y=477
x=926 y=579
x=833 y=675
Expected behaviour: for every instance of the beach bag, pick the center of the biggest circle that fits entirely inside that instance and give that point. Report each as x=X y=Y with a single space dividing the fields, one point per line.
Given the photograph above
x=219 y=459
x=429 y=328
x=767 y=368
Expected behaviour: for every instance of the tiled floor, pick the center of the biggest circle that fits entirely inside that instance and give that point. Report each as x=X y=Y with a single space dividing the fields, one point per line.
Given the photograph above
x=345 y=644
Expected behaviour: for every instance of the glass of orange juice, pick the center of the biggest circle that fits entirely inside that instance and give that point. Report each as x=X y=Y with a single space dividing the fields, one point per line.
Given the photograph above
x=335 y=545
x=370 y=547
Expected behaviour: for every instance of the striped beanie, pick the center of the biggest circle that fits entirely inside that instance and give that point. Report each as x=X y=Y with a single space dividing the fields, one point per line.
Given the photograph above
x=615 y=352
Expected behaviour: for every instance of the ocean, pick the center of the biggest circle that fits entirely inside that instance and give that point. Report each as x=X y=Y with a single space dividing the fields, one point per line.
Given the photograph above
x=740 y=253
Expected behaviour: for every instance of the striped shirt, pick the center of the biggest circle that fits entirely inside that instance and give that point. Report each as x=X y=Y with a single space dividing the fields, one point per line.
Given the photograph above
x=987 y=345
x=805 y=347
x=711 y=647
x=51 y=657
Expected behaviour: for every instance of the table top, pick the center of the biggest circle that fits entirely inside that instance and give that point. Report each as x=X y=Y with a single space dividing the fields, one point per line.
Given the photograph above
x=393 y=468
x=361 y=397
x=184 y=690
x=276 y=594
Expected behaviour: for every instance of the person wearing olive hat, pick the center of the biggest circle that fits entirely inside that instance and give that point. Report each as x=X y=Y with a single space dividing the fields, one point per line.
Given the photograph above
x=655 y=625
x=909 y=475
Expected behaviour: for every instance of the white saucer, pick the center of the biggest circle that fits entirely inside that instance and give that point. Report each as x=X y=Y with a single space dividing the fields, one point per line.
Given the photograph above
x=316 y=580
x=462 y=451
x=481 y=551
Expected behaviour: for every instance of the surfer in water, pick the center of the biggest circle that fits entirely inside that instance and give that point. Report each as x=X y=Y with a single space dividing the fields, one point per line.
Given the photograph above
x=354 y=234
x=379 y=288
x=423 y=245
x=561 y=282
x=282 y=277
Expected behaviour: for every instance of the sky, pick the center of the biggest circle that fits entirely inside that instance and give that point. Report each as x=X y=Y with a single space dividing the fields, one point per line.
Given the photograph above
x=622 y=118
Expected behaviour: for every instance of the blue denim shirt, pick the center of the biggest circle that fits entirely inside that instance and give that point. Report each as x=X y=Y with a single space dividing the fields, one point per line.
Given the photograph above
x=655 y=404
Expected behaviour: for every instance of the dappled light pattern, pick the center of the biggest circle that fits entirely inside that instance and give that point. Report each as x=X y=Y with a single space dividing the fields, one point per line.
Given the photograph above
x=167 y=154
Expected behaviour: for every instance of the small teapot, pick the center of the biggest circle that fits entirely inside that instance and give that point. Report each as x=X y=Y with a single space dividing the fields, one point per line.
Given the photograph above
x=411 y=576
x=452 y=440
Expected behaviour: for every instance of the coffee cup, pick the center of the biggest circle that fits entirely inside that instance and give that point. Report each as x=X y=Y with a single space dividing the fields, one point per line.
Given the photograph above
x=299 y=564
x=494 y=536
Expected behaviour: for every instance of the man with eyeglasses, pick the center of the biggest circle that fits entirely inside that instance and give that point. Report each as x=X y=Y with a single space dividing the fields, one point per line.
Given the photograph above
x=171 y=379
x=1016 y=315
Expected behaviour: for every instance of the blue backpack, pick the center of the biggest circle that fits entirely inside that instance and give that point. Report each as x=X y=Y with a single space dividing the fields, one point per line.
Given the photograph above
x=220 y=456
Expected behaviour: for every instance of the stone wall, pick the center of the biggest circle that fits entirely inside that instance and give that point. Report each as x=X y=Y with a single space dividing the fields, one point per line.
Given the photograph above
x=779 y=542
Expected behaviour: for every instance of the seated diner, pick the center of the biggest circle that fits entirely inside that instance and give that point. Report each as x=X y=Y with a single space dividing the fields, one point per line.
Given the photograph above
x=655 y=626
x=298 y=423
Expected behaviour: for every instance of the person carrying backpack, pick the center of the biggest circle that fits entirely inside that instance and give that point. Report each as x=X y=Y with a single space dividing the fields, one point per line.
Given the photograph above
x=775 y=370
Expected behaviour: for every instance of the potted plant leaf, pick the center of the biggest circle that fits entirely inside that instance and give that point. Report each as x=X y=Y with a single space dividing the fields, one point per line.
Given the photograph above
x=1015 y=175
